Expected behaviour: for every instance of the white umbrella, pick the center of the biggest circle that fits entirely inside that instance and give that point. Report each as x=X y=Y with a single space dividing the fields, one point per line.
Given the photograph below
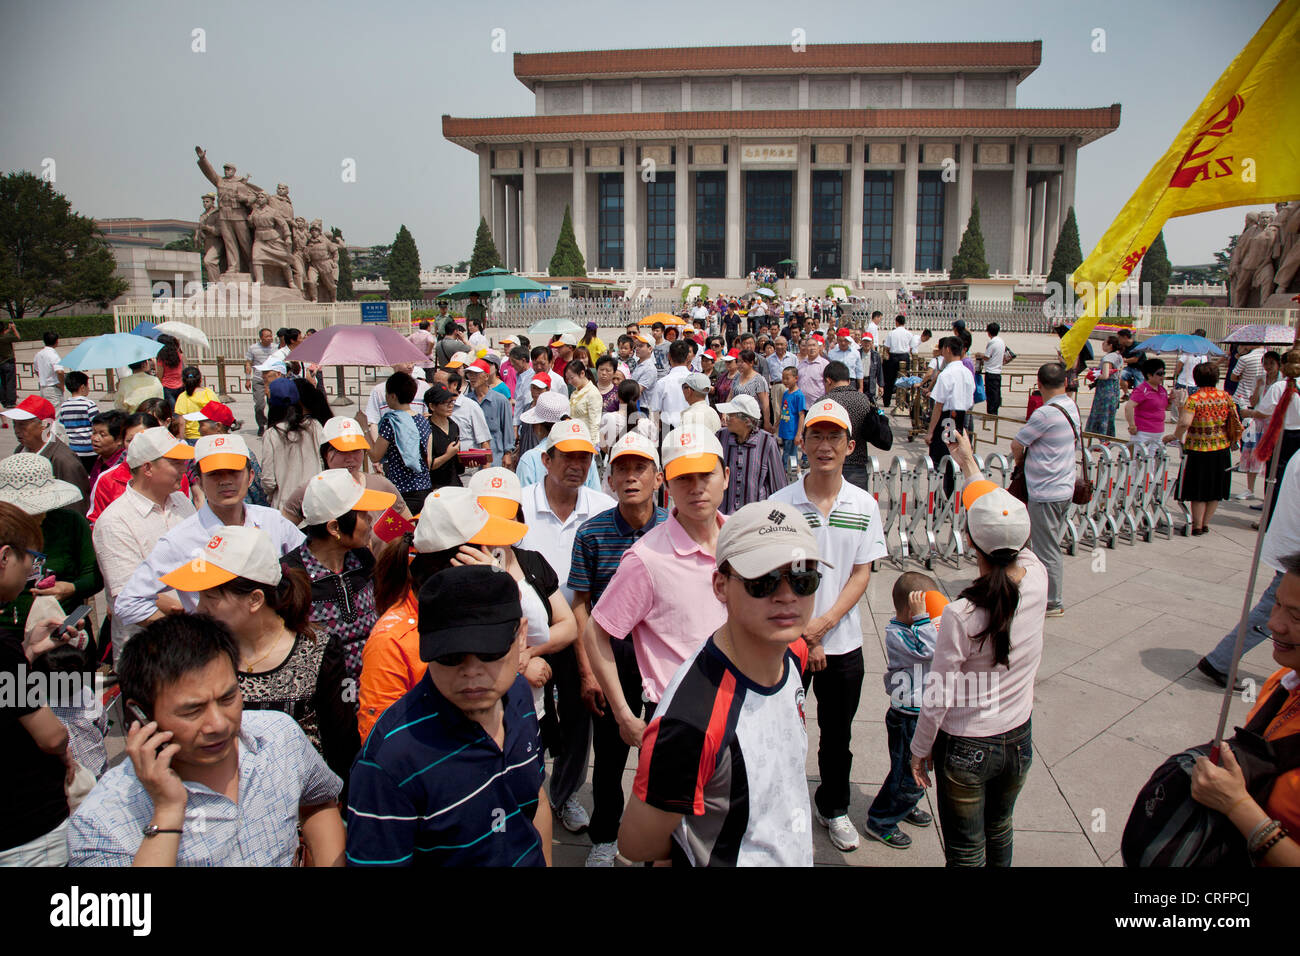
x=766 y=292
x=186 y=333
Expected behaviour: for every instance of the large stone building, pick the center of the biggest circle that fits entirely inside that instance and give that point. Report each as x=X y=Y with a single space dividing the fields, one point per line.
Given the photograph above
x=845 y=158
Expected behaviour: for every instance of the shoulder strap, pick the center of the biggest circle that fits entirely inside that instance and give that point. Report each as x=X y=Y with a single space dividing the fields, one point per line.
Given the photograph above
x=1078 y=440
x=1268 y=711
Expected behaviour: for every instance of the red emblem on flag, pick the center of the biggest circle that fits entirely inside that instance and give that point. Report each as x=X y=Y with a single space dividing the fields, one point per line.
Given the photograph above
x=392 y=526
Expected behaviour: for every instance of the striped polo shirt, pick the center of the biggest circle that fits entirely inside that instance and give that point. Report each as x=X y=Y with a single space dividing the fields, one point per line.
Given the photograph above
x=75 y=415
x=431 y=788
x=598 y=548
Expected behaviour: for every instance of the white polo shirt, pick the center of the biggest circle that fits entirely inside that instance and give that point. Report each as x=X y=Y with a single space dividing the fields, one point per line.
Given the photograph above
x=852 y=534
x=955 y=387
x=47 y=365
x=553 y=538
x=993 y=355
x=899 y=342
x=1269 y=400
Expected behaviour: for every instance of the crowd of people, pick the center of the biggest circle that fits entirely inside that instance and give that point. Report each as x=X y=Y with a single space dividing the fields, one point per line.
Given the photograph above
x=359 y=648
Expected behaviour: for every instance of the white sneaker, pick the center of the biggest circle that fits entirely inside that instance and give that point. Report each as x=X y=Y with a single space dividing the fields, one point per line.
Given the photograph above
x=1243 y=496
x=574 y=816
x=843 y=834
x=602 y=854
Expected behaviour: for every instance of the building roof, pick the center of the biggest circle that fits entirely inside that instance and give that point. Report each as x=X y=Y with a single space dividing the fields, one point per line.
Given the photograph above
x=1089 y=124
x=1021 y=57
x=111 y=225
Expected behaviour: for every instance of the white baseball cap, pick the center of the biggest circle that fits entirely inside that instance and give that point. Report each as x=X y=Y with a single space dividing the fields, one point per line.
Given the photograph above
x=345 y=434
x=232 y=552
x=741 y=405
x=452 y=516
x=215 y=452
x=154 y=443
x=550 y=407
x=272 y=365
x=333 y=493
x=829 y=411
x=568 y=338
x=764 y=536
x=571 y=435
x=459 y=359
x=690 y=449
x=634 y=443
x=998 y=521
x=498 y=490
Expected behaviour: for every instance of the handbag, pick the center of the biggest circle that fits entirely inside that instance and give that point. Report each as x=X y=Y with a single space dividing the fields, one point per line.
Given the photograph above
x=980 y=394
x=1233 y=427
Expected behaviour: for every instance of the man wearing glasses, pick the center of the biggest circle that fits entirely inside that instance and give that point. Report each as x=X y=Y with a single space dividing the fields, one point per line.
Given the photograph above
x=846 y=522
x=720 y=780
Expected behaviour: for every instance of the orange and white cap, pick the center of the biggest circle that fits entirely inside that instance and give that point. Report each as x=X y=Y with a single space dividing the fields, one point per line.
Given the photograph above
x=689 y=450
x=571 y=435
x=154 y=443
x=997 y=521
x=232 y=552
x=345 y=434
x=452 y=516
x=830 y=412
x=333 y=493
x=498 y=490
x=634 y=443
x=215 y=452
x=460 y=359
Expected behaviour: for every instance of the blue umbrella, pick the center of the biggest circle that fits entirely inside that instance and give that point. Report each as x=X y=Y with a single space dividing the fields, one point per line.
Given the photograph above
x=147 y=329
x=115 y=350
x=1175 y=342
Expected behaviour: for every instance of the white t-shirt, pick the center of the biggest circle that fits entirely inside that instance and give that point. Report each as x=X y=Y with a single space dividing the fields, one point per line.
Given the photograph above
x=1189 y=364
x=478 y=341
x=955 y=387
x=899 y=342
x=1268 y=401
x=667 y=398
x=916 y=343
x=993 y=353
x=47 y=364
x=1283 y=535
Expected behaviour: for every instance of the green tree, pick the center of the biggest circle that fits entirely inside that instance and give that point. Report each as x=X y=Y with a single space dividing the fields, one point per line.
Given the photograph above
x=567 y=260
x=1222 y=258
x=485 y=255
x=1068 y=256
x=50 y=257
x=969 y=262
x=1156 y=269
x=404 y=267
x=183 y=245
x=344 y=292
x=462 y=266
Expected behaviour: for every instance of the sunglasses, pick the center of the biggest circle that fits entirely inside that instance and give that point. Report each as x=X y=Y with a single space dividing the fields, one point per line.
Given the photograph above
x=455 y=660
x=802 y=583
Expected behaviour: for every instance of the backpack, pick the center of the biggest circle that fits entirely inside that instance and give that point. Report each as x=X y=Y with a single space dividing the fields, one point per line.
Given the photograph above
x=1168 y=828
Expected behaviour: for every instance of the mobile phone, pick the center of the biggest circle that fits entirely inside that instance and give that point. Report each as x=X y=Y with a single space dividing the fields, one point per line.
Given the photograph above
x=137 y=712
x=949 y=431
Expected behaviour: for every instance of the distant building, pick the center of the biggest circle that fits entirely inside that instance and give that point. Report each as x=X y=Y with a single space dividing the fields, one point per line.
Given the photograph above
x=145 y=233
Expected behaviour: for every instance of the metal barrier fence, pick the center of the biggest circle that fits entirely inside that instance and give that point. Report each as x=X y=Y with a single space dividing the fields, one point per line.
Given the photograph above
x=1132 y=500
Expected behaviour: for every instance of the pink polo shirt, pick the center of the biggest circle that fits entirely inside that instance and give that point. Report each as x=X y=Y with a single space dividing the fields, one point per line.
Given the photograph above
x=662 y=596
x=1149 y=407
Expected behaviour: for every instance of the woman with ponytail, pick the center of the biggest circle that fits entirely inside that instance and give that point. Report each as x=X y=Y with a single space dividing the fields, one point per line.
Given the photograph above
x=974 y=727
x=1280 y=409
x=283 y=664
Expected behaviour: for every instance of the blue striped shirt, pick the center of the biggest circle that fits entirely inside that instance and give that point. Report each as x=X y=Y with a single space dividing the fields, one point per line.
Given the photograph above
x=431 y=788
x=598 y=548
x=74 y=415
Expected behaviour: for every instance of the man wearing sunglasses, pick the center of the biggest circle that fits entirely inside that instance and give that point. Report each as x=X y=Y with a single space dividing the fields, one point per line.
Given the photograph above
x=721 y=776
x=846 y=522
x=451 y=774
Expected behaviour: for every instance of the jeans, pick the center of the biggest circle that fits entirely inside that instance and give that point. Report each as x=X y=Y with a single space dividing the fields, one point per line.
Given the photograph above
x=610 y=751
x=51 y=849
x=788 y=450
x=838 y=688
x=978 y=780
x=992 y=392
x=1256 y=629
x=1132 y=375
x=1046 y=519
x=900 y=792
x=569 y=722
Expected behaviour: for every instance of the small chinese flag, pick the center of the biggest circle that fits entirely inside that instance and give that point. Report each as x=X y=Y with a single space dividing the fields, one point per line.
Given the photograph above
x=392 y=526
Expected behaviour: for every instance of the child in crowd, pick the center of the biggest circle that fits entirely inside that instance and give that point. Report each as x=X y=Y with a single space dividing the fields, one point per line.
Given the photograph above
x=909 y=649
x=793 y=408
x=67 y=668
x=75 y=414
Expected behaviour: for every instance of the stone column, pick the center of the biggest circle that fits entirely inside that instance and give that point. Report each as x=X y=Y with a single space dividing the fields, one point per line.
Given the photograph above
x=682 y=201
x=965 y=184
x=579 y=210
x=513 y=258
x=735 y=221
x=907 y=259
x=1052 y=229
x=853 y=258
x=1068 y=176
x=529 y=211
x=1038 y=199
x=803 y=209
x=1019 y=261
x=484 y=182
x=631 y=185
x=498 y=220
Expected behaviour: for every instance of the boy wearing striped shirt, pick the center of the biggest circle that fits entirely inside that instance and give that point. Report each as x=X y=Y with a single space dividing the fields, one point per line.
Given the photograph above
x=75 y=414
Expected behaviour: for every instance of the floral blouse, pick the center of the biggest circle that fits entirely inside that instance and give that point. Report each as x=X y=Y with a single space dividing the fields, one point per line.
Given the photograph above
x=1212 y=407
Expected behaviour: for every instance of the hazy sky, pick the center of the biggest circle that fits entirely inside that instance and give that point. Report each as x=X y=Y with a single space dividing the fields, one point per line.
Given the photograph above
x=113 y=93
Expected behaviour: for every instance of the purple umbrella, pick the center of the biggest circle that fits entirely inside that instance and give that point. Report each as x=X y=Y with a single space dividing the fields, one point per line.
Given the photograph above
x=1262 y=335
x=357 y=345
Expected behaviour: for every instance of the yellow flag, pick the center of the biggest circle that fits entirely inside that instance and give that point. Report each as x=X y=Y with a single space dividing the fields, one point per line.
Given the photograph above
x=1240 y=147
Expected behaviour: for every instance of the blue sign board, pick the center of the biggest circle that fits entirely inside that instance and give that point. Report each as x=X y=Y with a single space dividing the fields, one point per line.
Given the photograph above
x=374 y=311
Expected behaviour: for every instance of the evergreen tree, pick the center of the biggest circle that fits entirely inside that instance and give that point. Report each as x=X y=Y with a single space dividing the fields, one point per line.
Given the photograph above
x=485 y=255
x=1068 y=256
x=567 y=260
x=404 y=267
x=969 y=262
x=1156 y=269
x=344 y=292
x=50 y=257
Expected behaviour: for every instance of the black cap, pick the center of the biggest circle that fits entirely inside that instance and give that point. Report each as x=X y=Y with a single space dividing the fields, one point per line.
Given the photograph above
x=465 y=610
x=437 y=394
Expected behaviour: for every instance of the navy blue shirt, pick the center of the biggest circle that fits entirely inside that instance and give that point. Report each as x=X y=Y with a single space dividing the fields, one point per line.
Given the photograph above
x=598 y=547
x=431 y=788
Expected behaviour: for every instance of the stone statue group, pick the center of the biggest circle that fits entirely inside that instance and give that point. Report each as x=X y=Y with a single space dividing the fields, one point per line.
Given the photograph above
x=245 y=229
x=1266 y=259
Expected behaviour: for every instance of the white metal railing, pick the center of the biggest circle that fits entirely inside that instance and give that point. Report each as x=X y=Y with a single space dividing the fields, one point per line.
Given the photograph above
x=1198 y=288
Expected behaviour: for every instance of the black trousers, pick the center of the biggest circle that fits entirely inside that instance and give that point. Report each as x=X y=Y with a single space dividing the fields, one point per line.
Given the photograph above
x=993 y=391
x=8 y=383
x=610 y=751
x=938 y=449
x=566 y=726
x=891 y=367
x=838 y=688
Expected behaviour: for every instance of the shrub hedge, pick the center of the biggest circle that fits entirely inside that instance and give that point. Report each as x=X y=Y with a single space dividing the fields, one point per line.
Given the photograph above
x=68 y=326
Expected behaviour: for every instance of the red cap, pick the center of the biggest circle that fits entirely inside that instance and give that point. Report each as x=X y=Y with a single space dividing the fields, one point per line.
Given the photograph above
x=843 y=334
x=217 y=412
x=818 y=336
x=479 y=366
x=542 y=378
x=33 y=406
x=734 y=353
x=710 y=355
